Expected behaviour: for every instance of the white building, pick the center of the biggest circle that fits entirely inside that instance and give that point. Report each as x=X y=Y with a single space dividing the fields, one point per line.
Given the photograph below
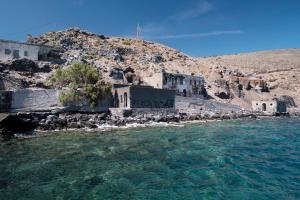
x=269 y=107
x=10 y=50
x=185 y=85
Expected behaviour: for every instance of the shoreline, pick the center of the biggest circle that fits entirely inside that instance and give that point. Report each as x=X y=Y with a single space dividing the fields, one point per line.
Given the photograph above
x=42 y=124
x=109 y=129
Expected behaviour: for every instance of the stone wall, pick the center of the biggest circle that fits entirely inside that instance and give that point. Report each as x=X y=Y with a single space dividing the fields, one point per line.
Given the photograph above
x=102 y=106
x=28 y=100
x=141 y=97
x=5 y=101
x=40 y=100
x=281 y=107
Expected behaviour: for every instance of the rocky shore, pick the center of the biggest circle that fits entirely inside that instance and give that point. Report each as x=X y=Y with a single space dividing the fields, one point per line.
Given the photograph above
x=28 y=123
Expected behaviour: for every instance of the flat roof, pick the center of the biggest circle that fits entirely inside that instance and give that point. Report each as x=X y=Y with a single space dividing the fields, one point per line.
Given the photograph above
x=25 y=43
x=130 y=85
x=184 y=75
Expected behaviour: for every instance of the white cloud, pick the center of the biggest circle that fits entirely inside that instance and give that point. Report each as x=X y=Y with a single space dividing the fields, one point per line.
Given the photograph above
x=203 y=7
x=195 y=35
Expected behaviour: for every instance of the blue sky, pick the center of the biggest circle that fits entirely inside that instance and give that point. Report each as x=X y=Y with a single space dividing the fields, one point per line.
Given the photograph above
x=196 y=27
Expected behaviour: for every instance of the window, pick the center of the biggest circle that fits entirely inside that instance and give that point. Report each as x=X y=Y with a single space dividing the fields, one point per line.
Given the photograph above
x=7 y=51
x=16 y=54
x=271 y=104
x=26 y=53
x=181 y=81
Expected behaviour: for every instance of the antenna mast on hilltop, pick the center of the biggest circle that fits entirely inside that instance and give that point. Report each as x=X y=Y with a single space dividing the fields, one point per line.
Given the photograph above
x=138 y=31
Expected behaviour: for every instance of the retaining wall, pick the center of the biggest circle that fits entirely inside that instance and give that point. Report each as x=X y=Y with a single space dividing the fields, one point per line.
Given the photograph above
x=41 y=100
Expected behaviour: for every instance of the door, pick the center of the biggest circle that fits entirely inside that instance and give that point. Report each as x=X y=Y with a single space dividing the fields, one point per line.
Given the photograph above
x=264 y=107
x=125 y=100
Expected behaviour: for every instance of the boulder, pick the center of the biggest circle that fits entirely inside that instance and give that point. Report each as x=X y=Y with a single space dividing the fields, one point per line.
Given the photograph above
x=116 y=73
x=8 y=125
x=222 y=94
x=124 y=51
x=157 y=59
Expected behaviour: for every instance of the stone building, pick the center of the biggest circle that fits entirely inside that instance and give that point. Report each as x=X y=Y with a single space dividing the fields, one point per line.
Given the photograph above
x=251 y=83
x=10 y=50
x=134 y=96
x=269 y=107
x=184 y=85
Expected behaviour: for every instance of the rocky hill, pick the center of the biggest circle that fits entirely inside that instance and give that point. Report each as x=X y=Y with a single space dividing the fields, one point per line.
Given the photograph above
x=279 y=68
x=107 y=53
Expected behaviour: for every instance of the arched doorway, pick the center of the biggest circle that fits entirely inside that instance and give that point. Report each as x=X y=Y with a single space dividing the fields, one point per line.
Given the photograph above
x=116 y=100
x=264 y=107
x=125 y=100
x=184 y=92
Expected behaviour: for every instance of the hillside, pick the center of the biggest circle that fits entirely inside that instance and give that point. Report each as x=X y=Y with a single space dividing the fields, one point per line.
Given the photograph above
x=107 y=53
x=279 y=68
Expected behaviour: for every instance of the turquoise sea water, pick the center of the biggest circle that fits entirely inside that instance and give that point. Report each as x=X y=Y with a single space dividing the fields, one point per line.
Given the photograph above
x=220 y=160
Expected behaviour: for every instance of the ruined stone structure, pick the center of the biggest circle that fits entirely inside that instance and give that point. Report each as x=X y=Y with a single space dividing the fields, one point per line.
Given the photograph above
x=10 y=50
x=269 y=107
x=184 y=85
x=133 y=96
x=251 y=82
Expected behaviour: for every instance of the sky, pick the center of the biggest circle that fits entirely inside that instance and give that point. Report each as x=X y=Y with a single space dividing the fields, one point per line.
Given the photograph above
x=196 y=27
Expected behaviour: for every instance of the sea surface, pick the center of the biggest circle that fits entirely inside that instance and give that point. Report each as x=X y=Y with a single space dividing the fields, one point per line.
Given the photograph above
x=255 y=159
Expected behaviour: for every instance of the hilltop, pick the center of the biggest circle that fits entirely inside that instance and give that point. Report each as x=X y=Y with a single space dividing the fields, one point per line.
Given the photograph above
x=107 y=53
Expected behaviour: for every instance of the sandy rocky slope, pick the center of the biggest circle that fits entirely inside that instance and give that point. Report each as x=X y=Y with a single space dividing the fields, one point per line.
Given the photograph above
x=281 y=69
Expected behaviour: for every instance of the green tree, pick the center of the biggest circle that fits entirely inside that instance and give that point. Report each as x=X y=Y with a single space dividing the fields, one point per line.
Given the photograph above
x=83 y=82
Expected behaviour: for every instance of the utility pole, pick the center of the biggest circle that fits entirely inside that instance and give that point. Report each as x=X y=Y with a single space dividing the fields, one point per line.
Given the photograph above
x=138 y=31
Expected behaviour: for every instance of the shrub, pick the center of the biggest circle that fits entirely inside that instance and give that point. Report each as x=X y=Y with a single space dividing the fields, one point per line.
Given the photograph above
x=83 y=81
x=127 y=42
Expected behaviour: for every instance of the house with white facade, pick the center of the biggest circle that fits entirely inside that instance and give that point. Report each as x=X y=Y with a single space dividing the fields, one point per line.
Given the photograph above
x=269 y=107
x=10 y=50
x=184 y=85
